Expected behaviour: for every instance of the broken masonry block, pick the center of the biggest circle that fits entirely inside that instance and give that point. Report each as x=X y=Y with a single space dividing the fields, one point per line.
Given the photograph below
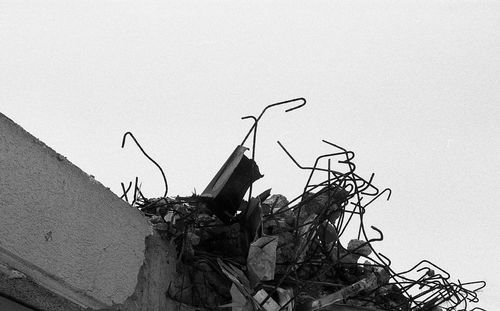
x=285 y=251
x=328 y=233
x=239 y=279
x=355 y=249
x=275 y=226
x=275 y=203
x=305 y=235
x=225 y=192
x=239 y=302
x=327 y=198
x=359 y=247
x=156 y=219
x=286 y=298
x=203 y=275
x=261 y=262
x=223 y=240
x=270 y=304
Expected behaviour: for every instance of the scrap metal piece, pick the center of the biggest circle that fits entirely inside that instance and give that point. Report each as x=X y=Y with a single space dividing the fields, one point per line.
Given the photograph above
x=252 y=219
x=264 y=195
x=369 y=283
x=342 y=307
x=241 y=283
x=225 y=192
x=236 y=276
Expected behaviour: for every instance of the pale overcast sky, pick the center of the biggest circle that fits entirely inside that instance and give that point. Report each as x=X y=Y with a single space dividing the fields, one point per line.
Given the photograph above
x=413 y=87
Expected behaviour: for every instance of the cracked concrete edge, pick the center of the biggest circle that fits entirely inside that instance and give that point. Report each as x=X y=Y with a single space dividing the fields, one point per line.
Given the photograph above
x=55 y=154
x=157 y=273
x=50 y=279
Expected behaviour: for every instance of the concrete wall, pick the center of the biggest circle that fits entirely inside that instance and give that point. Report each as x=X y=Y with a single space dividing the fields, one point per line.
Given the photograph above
x=63 y=229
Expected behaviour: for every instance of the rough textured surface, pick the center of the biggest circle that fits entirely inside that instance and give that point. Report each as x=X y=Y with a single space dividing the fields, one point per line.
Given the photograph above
x=63 y=222
x=157 y=274
x=23 y=289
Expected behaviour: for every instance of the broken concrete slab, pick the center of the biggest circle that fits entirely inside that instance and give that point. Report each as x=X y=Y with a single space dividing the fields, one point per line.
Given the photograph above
x=70 y=233
x=261 y=262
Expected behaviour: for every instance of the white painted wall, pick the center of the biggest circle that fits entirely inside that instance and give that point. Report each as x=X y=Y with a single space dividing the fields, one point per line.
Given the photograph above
x=61 y=227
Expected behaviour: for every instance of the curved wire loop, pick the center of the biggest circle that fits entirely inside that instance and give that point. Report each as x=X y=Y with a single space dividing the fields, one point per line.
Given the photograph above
x=273 y=105
x=147 y=156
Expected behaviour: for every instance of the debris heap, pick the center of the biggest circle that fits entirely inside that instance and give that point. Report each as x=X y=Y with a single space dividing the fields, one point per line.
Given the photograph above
x=270 y=253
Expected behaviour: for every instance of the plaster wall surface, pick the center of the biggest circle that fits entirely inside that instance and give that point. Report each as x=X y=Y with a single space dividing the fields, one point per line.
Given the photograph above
x=59 y=224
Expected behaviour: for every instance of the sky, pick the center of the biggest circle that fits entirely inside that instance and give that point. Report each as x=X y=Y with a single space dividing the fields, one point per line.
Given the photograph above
x=412 y=87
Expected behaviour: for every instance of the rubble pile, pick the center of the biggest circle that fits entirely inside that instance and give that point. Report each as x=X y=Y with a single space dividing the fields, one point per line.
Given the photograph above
x=270 y=253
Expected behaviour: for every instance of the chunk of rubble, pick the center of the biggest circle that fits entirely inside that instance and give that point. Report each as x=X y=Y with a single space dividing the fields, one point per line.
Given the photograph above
x=275 y=203
x=261 y=262
x=265 y=255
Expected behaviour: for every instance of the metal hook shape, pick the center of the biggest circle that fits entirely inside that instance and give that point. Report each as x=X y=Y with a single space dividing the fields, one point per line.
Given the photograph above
x=306 y=167
x=273 y=105
x=147 y=156
x=254 y=143
x=483 y=285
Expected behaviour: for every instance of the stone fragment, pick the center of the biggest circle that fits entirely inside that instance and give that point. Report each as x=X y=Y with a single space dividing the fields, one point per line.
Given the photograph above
x=356 y=246
x=239 y=301
x=261 y=261
x=286 y=298
x=156 y=219
x=304 y=234
x=276 y=202
x=270 y=304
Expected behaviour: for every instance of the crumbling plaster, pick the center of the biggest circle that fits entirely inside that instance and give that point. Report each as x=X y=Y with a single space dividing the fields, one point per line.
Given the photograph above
x=64 y=224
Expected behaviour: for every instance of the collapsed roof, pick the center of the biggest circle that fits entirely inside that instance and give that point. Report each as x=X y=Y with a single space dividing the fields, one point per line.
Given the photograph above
x=270 y=253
